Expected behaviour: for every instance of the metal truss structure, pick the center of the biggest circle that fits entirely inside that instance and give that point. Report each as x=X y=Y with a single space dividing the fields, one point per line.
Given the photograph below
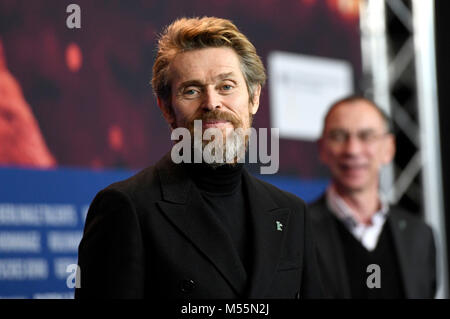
x=398 y=50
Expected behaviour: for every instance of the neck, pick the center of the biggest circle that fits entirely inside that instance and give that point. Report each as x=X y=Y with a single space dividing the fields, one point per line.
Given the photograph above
x=221 y=180
x=363 y=203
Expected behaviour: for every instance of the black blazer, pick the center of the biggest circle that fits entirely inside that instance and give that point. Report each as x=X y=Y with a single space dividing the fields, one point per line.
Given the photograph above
x=414 y=244
x=150 y=237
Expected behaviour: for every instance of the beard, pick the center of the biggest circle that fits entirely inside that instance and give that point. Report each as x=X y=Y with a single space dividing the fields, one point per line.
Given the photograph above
x=230 y=149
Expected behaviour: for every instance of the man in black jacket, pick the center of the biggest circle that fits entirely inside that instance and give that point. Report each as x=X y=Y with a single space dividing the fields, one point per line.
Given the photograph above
x=200 y=230
x=366 y=247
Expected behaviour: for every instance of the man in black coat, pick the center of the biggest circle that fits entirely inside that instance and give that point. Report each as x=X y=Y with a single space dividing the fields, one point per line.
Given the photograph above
x=367 y=248
x=208 y=229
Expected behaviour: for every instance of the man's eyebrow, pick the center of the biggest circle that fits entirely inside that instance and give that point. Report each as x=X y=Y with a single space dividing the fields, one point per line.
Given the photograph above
x=368 y=130
x=365 y=130
x=191 y=83
x=221 y=76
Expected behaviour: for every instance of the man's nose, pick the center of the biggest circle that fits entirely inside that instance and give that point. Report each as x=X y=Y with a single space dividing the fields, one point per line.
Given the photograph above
x=211 y=99
x=352 y=145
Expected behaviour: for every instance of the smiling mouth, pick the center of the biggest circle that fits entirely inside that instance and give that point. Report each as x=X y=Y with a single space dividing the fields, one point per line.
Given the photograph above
x=214 y=123
x=353 y=167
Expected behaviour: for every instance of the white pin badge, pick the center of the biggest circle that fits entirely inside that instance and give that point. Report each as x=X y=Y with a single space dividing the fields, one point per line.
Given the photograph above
x=279 y=226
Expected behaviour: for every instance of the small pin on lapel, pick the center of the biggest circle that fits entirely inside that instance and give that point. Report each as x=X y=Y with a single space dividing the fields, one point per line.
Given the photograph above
x=402 y=224
x=279 y=226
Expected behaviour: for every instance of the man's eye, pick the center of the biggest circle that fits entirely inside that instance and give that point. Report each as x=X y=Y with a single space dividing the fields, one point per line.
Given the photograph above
x=338 y=136
x=227 y=87
x=190 y=92
x=367 y=136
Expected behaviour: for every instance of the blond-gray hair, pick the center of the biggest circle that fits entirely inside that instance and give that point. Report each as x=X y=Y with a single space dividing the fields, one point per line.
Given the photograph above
x=187 y=34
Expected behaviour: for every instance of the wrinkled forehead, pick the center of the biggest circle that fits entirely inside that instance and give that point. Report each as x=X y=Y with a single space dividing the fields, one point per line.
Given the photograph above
x=355 y=117
x=204 y=64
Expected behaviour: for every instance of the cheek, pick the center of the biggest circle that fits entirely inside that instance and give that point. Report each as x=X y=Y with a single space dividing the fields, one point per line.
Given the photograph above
x=244 y=112
x=184 y=110
x=332 y=154
x=328 y=157
x=377 y=155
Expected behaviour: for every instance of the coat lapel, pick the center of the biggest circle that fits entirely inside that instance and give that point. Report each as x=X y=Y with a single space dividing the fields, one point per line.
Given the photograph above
x=330 y=252
x=183 y=206
x=269 y=222
x=405 y=251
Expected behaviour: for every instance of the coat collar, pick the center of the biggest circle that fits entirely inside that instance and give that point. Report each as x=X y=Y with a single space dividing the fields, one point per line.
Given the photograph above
x=405 y=251
x=330 y=251
x=181 y=203
x=268 y=240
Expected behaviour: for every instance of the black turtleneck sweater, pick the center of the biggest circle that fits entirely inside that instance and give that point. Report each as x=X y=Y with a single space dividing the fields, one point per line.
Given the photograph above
x=223 y=196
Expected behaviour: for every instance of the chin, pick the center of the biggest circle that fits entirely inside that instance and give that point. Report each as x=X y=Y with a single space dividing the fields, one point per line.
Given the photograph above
x=353 y=185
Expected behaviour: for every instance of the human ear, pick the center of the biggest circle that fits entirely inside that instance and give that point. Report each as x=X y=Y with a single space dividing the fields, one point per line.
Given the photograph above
x=255 y=99
x=389 y=149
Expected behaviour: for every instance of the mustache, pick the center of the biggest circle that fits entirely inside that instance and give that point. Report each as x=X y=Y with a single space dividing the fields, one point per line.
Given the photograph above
x=215 y=115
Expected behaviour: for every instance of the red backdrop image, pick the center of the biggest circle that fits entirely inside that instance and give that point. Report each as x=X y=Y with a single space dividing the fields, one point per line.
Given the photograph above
x=82 y=97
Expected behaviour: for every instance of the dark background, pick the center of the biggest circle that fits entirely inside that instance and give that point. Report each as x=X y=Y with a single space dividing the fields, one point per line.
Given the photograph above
x=443 y=76
x=104 y=115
